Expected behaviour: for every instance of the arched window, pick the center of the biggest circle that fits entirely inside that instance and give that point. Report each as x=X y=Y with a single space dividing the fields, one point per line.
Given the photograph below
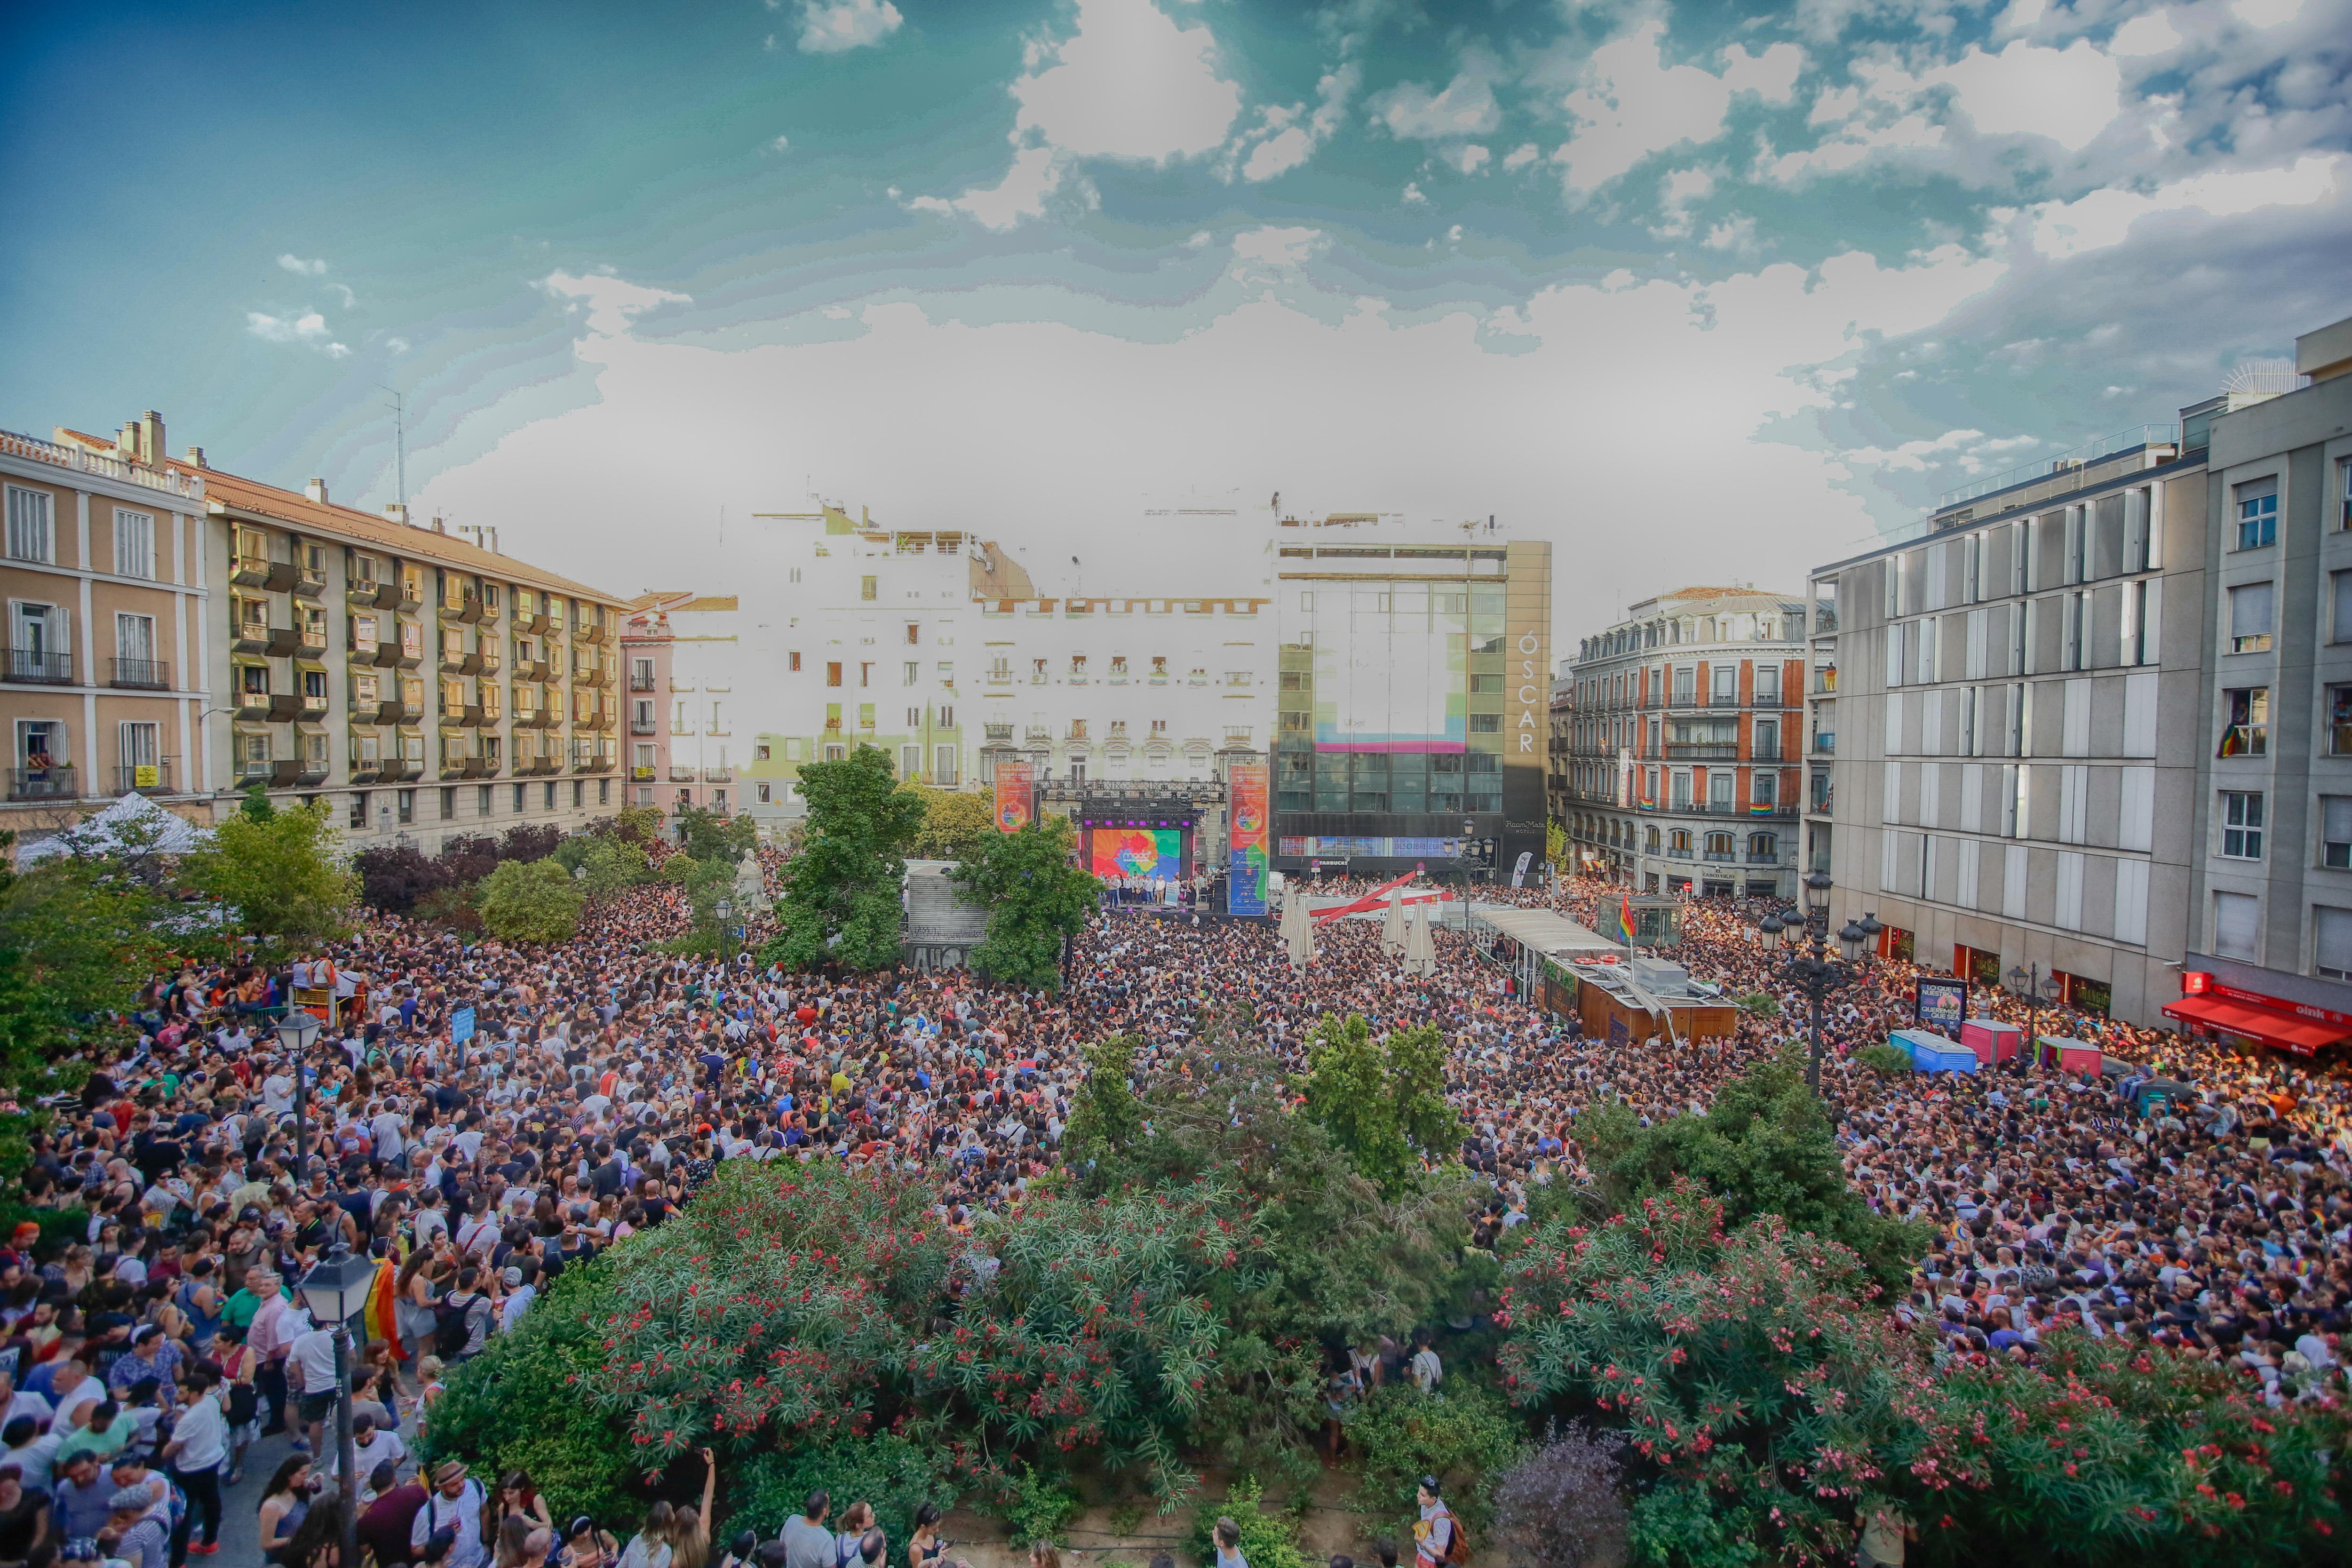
x=1764 y=846
x=1653 y=839
x=1680 y=843
x=1719 y=847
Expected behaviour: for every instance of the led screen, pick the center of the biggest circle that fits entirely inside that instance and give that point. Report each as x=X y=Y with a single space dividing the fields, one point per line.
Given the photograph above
x=1138 y=852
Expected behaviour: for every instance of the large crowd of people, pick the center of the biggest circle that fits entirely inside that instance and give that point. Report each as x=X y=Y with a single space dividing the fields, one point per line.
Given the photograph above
x=603 y=1080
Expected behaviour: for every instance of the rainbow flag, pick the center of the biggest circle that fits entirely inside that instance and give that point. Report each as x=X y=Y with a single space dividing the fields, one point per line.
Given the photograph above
x=380 y=1315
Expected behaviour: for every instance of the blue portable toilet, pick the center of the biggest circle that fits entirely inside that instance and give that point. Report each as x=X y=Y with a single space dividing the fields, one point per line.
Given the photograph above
x=1931 y=1052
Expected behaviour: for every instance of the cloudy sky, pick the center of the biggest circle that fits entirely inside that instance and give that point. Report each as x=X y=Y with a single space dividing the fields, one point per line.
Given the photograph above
x=1693 y=292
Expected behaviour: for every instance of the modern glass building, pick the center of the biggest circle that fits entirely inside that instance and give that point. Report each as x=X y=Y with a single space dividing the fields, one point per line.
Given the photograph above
x=1412 y=710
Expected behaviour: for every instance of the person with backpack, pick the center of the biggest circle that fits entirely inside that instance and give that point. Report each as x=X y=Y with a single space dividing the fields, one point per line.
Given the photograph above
x=1437 y=1536
x=461 y=1320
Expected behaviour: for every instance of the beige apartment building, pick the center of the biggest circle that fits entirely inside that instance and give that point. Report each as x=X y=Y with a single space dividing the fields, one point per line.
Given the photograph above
x=426 y=685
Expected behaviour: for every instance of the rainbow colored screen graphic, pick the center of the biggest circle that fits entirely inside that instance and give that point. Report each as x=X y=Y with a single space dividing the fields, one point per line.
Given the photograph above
x=1246 y=882
x=1134 y=852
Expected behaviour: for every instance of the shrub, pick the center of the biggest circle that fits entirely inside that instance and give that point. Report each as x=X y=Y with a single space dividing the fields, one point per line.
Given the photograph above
x=1466 y=1437
x=1558 y=1506
x=1759 y=1005
x=1881 y=1058
x=1268 y=1541
x=1034 y=1509
x=529 y=841
x=530 y=901
x=894 y=1475
x=452 y=907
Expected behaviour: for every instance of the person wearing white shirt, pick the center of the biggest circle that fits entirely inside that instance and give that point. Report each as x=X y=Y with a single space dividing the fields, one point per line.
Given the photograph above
x=371 y=1447
x=198 y=1446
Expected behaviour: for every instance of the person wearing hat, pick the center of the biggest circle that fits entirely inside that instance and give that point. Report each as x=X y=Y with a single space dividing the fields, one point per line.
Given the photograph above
x=141 y=1538
x=453 y=1508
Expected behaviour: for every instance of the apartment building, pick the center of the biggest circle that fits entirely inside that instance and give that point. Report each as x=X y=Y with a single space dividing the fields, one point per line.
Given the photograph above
x=1415 y=705
x=689 y=652
x=109 y=618
x=645 y=664
x=936 y=646
x=2006 y=705
x=426 y=685
x=1680 y=762
x=2268 y=824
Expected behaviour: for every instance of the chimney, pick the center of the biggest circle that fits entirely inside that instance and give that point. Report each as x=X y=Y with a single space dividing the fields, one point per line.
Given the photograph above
x=317 y=490
x=439 y=527
x=396 y=512
x=195 y=457
x=152 y=445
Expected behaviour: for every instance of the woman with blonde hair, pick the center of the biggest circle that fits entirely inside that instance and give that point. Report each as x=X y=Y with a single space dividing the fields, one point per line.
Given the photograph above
x=690 y=1528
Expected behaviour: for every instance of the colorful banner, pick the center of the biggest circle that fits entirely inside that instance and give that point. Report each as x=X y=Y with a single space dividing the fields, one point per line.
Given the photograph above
x=1245 y=879
x=1940 y=1004
x=1136 y=852
x=1015 y=797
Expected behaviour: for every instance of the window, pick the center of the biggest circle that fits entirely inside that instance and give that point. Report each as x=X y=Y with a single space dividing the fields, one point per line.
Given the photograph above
x=2339 y=721
x=832 y=673
x=2245 y=722
x=867 y=589
x=2241 y=825
x=910 y=674
x=2257 y=514
x=1763 y=847
x=2336 y=832
x=2249 y=618
x=1766 y=786
x=1768 y=740
x=2331 y=945
x=914 y=718
x=1767 y=685
x=865 y=674
x=406 y=805
x=943 y=766
x=134 y=544
x=30 y=535
x=1725 y=678
x=946 y=720
x=1486 y=723
x=793 y=662
x=914 y=634
x=911 y=761
x=448 y=803
x=1486 y=683
x=2237 y=925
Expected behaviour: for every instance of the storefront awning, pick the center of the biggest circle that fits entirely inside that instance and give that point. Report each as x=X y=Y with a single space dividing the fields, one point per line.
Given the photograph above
x=2268 y=1025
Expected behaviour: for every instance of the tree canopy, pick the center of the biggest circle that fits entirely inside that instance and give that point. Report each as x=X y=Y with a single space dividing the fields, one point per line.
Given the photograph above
x=955 y=822
x=1383 y=1099
x=281 y=871
x=530 y=901
x=839 y=900
x=1034 y=898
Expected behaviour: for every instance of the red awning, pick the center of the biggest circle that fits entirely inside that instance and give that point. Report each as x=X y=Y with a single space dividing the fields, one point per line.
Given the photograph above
x=2267 y=1024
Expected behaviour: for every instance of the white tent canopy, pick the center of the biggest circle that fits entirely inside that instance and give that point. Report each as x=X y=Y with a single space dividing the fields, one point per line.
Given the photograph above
x=134 y=822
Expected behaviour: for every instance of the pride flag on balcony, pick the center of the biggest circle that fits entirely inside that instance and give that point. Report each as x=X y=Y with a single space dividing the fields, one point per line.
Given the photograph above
x=1761 y=807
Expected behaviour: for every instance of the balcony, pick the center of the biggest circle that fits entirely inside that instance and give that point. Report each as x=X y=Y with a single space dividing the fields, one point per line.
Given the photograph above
x=680 y=774
x=310 y=582
x=256 y=771
x=470 y=715
x=369 y=594
x=144 y=778
x=1678 y=854
x=1723 y=857
x=406 y=654
x=594 y=764
x=1004 y=732
x=1767 y=755
x=1703 y=751
x=1724 y=699
x=641 y=683
x=140 y=676
x=41 y=665
x=532 y=669
x=718 y=775
x=61 y=782
x=409 y=594
x=453 y=767
x=260 y=571
x=284 y=642
x=375 y=654
x=401 y=769
x=1825 y=742
x=366 y=769
x=464 y=610
x=285 y=707
x=536 y=767
x=250 y=637
x=1683 y=699
x=650 y=727
x=642 y=776
x=1825 y=683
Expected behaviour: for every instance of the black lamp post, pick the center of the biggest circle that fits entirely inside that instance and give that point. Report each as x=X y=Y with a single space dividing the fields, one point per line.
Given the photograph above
x=1809 y=966
x=725 y=911
x=298 y=1031
x=335 y=1288
x=2027 y=983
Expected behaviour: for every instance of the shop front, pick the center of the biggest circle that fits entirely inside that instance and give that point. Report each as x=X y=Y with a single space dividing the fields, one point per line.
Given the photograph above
x=2209 y=1006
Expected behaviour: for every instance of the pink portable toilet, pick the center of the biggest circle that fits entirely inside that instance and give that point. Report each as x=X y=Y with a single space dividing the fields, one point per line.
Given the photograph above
x=2071 y=1055
x=1993 y=1039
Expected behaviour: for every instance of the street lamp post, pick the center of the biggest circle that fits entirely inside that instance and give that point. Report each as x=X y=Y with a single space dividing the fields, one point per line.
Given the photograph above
x=1812 y=970
x=2029 y=984
x=298 y=1031
x=725 y=909
x=335 y=1288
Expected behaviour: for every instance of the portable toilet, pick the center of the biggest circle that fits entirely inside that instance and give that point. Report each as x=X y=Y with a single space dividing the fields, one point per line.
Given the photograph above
x=2069 y=1055
x=1994 y=1040
x=1931 y=1052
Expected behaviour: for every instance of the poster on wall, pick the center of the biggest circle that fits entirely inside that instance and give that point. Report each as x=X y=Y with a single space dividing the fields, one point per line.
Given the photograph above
x=1014 y=806
x=1942 y=1004
x=1133 y=852
x=1245 y=879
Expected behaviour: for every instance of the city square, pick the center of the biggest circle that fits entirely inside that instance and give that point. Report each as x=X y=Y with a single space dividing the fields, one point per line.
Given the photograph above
x=1453 y=794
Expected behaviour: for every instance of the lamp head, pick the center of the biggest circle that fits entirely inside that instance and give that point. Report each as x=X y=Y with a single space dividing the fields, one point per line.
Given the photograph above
x=1870 y=926
x=1768 y=929
x=1851 y=940
x=298 y=1030
x=2018 y=981
x=337 y=1286
x=1817 y=892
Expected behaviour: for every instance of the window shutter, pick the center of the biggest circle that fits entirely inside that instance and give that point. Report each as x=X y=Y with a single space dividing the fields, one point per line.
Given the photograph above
x=2237 y=918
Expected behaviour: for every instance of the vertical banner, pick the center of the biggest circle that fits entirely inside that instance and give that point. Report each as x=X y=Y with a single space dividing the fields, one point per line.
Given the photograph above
x=1940 y=1006
x=1245 y=881
x=1014 y=803
x=1519 y=871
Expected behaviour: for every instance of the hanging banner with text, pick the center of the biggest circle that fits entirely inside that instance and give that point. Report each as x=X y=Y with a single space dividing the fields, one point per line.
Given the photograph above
x=1246 y=882
x=1014 y=803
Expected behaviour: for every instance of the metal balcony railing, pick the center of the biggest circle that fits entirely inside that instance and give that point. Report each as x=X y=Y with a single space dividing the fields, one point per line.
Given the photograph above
x=140 y=675
x=146 y=778
x=56 y=782
x=45 y=665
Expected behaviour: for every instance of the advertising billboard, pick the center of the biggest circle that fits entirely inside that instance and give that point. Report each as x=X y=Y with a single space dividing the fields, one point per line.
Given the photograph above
x=1245 y=879
x=1940 y=1006
x=1014 y=803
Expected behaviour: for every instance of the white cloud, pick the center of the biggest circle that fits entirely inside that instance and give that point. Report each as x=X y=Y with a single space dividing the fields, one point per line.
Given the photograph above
x=1035 y=175
x=1295 y=139
x=1736 y=234
x=1914 y=456
x=1412 y=196
x=344 y=290
x=612 y=304
x=1680 y=191
x=2266 y=12
x=397 y=345
x=781 y=145
x=1294 y=394
x=2150 y=33
x=1278 y=247
x=1632 y=105
x=2068 y=95
x=1771 y=76
x=1466 y=108
x=2104 y=217
x=1466 y=159
x=830 y=26
x=1129 y=83
x=309 y=330
x=307 y=268
x=1519 y=157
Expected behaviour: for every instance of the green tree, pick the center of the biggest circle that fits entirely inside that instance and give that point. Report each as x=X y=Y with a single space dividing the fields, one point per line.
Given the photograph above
x=715 y=836
x=839 y=901
x=1383 y=1101
x=706 y=882
x=1034 y=899
x=955 y=822
x=1765 y=1146
x=611 y=863
x=1107 y=1115
x=530 y=901
x=283 y=872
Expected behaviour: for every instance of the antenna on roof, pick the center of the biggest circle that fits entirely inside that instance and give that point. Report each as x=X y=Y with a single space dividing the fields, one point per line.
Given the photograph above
x=399 y=449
